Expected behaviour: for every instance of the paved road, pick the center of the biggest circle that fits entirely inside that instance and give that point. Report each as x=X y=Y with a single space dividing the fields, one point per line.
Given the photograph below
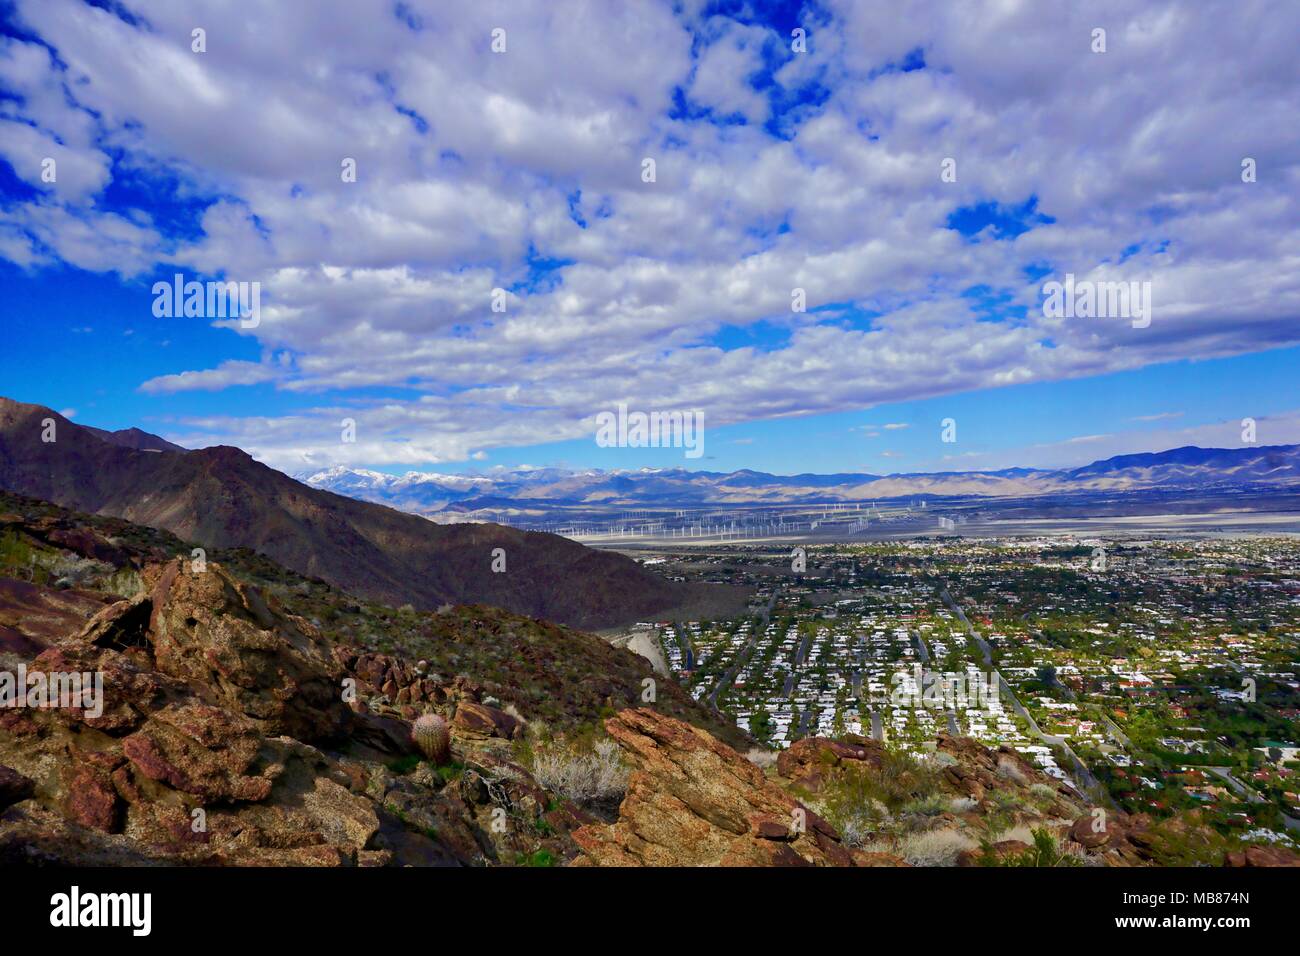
x=970 y=631
x=801 y=652
x=1115 y=732
x=1250 y=793
x=730 y=673
x=921 y=650
x=1087 y=782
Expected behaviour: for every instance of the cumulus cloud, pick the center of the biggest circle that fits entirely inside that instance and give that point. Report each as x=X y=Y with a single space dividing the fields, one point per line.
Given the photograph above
x=522 y=171
x=223 y=376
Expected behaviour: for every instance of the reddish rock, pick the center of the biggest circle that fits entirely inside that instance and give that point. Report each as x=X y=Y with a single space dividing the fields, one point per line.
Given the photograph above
x=200 y=750
x=1085 y=832
x=1001 y=851
x=481 y=720
x=807 y=762
x=213 y=630
x=1256 y=856
x=770 y=828
x=693 y=801
x=91 y=799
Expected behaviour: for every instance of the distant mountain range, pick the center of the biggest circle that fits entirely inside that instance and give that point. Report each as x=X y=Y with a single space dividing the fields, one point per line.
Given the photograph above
x=430 y=493
x=221 y=498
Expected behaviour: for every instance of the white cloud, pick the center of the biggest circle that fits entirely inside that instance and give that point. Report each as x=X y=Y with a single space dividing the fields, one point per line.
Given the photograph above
x=211 y=380
x=469 y=163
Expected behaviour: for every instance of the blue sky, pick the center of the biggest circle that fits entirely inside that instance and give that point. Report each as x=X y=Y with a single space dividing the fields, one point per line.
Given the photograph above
x=776 y=169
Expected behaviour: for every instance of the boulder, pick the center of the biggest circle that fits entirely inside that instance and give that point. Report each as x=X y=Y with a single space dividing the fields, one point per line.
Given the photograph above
x=806 y=762
x=1254 y=856
x=213 y=630
x=693 y=801
x=480 y=720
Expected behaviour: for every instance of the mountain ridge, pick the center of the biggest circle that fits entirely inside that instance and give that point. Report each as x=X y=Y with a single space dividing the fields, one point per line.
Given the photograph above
x=221 y=497
x=1185 y=467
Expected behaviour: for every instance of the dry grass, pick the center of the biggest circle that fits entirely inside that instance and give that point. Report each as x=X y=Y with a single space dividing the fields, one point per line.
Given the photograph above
x=932 y=848
x=596 y=777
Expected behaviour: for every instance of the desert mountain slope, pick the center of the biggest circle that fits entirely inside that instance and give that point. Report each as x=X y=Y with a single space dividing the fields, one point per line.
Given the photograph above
x=221 y=498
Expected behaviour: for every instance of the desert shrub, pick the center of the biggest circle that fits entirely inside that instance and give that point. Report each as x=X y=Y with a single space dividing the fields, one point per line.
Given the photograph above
x=999 y=816
x=1045 y=850
x=848 y=805
x=1009 y=770
x=125 y=582
x=937 y=760
x=902 y=793
x=761 y=757
x=15 y=552
x=934 y=847
x=404 y=764
x=930 y=805
x=1172 y=844
x=597 y=776
x=901 y=778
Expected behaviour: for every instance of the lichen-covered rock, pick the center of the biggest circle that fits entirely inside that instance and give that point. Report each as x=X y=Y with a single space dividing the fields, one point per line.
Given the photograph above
x=211 y=629
x=806 y=762
x=201 y=750
x=693 y=801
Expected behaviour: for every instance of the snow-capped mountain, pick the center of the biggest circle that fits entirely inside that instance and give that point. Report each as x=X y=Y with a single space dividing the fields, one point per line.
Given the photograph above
x=1188 y=468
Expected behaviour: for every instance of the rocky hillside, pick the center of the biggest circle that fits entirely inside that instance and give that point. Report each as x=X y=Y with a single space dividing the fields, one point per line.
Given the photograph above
x=221 y=498
x=693 y=801
x=233 y=731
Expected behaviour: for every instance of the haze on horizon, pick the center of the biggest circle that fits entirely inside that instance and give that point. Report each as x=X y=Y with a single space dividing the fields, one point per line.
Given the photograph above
x=822 y=169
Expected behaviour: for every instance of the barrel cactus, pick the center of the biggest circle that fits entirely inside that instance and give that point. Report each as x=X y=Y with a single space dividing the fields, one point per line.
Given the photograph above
x=432 y=735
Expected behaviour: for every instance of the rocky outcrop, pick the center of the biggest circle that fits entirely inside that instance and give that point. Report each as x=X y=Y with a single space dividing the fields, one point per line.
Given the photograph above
x=33 y=617
x=207 y=749
x=693 y=801
x=976 y=771
x=210 y=629
x=807 y=762
x=1254 y=856
x=480 y=721
x=392 y=683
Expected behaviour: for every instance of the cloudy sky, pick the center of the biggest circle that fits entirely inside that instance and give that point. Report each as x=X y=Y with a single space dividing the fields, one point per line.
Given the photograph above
x=918 y=169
